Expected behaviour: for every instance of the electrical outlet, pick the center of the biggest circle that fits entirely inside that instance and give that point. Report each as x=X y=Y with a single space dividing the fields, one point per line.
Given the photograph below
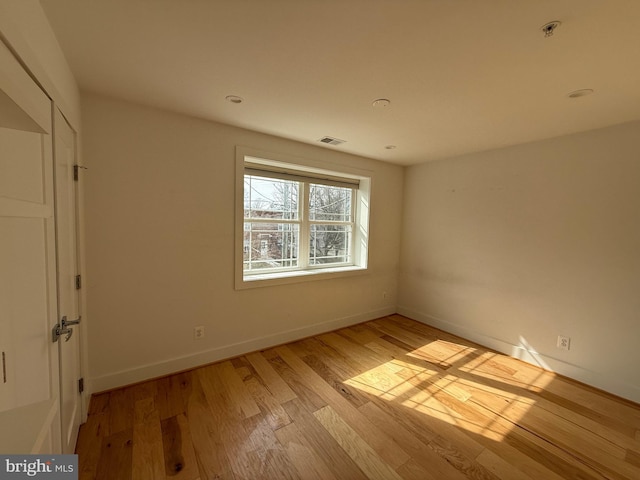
x=198 y=332
x=564 y=343
x=384 y=295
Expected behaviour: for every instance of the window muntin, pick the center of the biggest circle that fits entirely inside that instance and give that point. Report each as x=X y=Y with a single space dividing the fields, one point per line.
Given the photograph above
x=270 y=198
x=331 y=224
x=282 y=233
x=330 y=244
x=330 y=203
x=270 y=247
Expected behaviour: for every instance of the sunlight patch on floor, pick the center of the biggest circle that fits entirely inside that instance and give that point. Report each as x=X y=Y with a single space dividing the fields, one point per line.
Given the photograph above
x=484 y=393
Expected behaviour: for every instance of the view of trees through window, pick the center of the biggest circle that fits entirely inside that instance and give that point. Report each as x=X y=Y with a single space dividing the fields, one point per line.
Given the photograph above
x=282 y=230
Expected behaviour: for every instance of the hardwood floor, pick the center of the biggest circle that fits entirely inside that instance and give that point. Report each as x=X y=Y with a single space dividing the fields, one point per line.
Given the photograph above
x=387 y=399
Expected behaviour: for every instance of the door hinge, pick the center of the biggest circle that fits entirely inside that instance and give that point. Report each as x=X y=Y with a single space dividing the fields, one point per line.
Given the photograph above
x=80 y=385
x=76 y=171
x=78 y=282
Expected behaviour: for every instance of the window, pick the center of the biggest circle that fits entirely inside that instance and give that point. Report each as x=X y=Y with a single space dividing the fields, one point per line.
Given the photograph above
x=299 y=221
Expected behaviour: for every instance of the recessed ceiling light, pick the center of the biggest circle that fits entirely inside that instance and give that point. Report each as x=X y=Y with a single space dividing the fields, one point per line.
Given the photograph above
x=381 y=103
x=390 y=147
x=580 y=93
x=233 y=99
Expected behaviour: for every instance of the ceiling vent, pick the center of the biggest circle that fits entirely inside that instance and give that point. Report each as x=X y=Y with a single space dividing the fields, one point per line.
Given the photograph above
x=331 y=141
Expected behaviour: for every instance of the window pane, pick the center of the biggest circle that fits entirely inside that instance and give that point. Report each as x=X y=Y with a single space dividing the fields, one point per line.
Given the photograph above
x=269 y=246
x=328 y=203
x=270 y=198
x=330 y=244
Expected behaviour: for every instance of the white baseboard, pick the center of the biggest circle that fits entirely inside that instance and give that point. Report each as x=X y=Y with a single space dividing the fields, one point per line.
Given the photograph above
x=589 y=377
x=146 y=372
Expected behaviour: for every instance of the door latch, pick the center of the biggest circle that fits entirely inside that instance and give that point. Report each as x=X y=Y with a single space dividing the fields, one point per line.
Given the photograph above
x=62 y=328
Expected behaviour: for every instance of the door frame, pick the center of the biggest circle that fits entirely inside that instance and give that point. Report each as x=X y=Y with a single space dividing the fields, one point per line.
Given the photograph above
x=69 y=298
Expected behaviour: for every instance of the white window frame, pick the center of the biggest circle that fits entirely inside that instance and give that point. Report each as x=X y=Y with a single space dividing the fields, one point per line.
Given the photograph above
x=278 y=165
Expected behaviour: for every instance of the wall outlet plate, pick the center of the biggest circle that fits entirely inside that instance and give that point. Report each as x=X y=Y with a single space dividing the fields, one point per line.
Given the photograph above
x=564 y=343
x=198 y=332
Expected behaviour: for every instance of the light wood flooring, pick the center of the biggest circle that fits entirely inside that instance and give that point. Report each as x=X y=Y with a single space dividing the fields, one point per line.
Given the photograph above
x=387 y=399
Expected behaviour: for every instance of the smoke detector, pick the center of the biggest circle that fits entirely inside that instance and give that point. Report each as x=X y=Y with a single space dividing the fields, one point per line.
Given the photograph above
x=549 y=28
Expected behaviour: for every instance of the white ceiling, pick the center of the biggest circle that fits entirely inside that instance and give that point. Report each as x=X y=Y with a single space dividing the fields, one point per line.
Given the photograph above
x=462 y=75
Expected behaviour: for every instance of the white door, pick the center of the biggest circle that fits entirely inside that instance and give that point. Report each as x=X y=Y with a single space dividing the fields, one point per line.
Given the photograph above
x=29 y=370
x=68 y=297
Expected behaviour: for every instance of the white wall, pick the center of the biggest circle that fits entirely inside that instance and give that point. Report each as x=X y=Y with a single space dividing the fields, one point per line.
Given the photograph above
x=513 y=247
x=160 y=243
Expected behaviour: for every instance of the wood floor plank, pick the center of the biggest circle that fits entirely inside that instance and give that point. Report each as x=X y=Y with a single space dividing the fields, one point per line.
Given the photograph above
x=336 y=360
x=144 y=390
x=412 y=470
x=451 y=445
x=99 y=403
x=218 y=397
x=361 y=334
x=180 y=460
x=552 y=457
x=208 y=444
x=603 y=456
x=331 y=378
x=116 y=458
x=383 y=445
x=249 y=444
x=440 y=352
x=237 y=390
x=263 y=446
x=468 y=466
x=453 y=412
x=390 y=398
x=435 y=466
x=516 y=459
x=572 y=431
x=596 y=400
x=357 y=355
x=270 y=408
x=389 y=350
x=171 y=393
x=358 y=449
x=336 y=459
x=633 y=458
x=302 y=454
x=122 y=410
x=501 y=468
x=412 y=352
x=148 y=452
x=306 y=395
x=274 y=382
x=596 y=419
x=144 y=411
x=90 y=437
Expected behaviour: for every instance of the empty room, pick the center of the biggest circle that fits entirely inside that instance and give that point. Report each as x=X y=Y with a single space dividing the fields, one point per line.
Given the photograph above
x=293 y=239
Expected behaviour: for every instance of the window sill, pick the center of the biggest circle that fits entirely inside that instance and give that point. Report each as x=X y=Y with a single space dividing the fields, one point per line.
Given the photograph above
x=297 y=276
